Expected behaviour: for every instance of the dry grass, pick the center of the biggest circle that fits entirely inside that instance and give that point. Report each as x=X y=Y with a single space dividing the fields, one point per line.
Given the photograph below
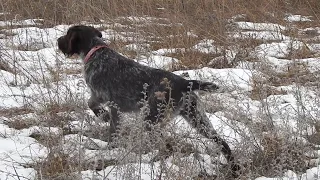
x=57 y=166
x=277 y=154
x=20 y=123
x=262 y=91
x=70 y=11
x=6 y=67
x=204 y=19
x=296 y=73
x=10 y=112
x=191 y=59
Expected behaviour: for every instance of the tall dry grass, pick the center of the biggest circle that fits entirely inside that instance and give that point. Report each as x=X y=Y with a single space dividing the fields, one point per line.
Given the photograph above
x=71 y=11
x=207 y=19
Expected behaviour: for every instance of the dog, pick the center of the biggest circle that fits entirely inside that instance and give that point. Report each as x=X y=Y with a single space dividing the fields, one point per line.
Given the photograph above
x=112 y=77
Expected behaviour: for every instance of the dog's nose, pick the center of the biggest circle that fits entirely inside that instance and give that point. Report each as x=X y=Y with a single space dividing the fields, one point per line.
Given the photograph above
x=61 y=44
x=60 y=41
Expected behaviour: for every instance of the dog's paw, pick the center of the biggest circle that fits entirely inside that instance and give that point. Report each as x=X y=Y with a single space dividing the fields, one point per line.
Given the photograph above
x=207 y=86
x=203 y=86
x=105 y=116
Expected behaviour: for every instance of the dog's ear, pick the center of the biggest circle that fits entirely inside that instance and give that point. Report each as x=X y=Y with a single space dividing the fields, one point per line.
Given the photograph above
x=96 y=31
x=73 y=40
x=62 y=45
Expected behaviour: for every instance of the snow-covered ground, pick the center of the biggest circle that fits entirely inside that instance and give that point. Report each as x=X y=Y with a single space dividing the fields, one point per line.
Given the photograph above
x=37 y=75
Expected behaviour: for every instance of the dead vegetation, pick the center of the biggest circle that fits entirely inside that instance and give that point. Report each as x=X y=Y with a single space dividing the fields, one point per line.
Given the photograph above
x=206 y=19
x=179 y=24
x=278 y=154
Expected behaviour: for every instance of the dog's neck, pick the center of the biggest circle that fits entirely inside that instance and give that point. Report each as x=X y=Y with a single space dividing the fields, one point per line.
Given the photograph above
x=94 y=42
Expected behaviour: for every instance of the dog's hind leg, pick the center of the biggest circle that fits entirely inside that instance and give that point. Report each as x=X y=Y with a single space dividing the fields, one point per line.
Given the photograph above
x=198 y=120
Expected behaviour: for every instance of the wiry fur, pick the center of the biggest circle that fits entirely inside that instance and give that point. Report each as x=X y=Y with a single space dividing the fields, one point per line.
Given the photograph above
x=112 y=77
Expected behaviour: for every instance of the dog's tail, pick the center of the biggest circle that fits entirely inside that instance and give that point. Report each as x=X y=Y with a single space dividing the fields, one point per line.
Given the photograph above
x=204 y=86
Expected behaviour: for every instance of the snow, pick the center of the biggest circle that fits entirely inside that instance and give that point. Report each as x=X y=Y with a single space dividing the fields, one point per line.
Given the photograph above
x=137 y=47
x=17 y=151
x=34 y=38
x=311 y=63
x=165 y=51
x=41 y=76
x=297 y=18
x=159 y=62
x=26 y=22
x=278 y=50
x=112 y=173
x=259 y=26
x=142 y=19
x=311 y=174
x=206 y=46
x=261 y=35
x=226 y=78
x=260 y=31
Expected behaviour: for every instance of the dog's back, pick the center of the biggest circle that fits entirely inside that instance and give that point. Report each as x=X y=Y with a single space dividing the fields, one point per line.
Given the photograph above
x=121 y=80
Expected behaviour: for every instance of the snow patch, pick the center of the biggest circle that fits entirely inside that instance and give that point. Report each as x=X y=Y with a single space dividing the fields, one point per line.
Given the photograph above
x=260 y=26
x=232 y=79
x=159 y=62
x=297 y=18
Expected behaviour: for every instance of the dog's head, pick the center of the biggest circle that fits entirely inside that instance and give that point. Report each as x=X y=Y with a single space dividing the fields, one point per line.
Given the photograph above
x=77 y=39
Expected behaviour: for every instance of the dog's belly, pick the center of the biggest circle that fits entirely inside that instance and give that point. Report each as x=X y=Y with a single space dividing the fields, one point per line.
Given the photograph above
x=127 y=105
x=126 y=102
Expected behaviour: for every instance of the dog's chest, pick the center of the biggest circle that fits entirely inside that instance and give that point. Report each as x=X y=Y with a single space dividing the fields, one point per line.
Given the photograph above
x=96 y=81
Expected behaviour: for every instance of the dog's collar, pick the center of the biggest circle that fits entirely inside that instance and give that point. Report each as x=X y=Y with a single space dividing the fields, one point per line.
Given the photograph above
x=94 y=49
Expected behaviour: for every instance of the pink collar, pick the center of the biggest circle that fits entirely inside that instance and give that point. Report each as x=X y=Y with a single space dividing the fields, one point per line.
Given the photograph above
x=93 y=50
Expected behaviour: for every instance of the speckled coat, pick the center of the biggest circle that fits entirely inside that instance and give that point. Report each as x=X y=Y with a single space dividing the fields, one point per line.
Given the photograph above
x=112 y=77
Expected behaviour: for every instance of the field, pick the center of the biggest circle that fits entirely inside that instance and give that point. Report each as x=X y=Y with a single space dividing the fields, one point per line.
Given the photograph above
x=263 y=54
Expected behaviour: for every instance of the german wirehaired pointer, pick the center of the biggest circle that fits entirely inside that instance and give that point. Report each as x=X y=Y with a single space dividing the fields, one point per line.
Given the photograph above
x=112 y=77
